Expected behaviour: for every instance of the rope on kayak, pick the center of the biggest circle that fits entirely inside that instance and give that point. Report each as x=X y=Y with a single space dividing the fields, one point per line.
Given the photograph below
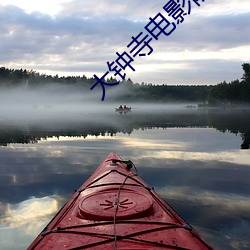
x=130 y=174
x=129 y=164
x=127 y=237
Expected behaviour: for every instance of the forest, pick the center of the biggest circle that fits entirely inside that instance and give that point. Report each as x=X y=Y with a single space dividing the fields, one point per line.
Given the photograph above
x=224 y=93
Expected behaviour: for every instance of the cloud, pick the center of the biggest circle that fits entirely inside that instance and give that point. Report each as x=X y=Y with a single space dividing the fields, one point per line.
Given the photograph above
x=30 y=210
x=26 y=220
x=129 y=9
x=44 y=40
x=221 y=32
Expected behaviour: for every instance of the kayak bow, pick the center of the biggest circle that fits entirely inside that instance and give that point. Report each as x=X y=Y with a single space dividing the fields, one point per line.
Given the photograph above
x=116 y=209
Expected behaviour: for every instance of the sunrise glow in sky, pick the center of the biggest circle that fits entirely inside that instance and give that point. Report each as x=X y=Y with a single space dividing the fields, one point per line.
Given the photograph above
x=77 y=37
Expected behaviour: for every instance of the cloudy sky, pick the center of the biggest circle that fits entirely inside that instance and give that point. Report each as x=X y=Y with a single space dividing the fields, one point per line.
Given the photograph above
x=76 y=37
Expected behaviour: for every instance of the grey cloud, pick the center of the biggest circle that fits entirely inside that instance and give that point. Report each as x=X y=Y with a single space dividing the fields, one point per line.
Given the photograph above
x=36 y=28
x=36 y=33
x=13 y=17
x=214 y=32
x=102 y=67
x=209 y=71
x=137 y=9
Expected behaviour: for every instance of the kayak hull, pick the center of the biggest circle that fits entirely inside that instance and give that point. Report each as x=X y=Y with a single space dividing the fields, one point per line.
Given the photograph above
x=116 y=209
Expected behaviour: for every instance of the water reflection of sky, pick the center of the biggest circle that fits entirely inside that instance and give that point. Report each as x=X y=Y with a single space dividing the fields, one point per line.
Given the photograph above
x=199 y=171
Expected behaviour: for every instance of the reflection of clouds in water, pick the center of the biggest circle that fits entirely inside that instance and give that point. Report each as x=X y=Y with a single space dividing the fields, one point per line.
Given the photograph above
x=236 y=157
x=29 y=212
x=149 y=145
x=226 y=216
x=226 y=240
x=228 y=203
x=22 y=222
x=183 y=139
x=189 y=143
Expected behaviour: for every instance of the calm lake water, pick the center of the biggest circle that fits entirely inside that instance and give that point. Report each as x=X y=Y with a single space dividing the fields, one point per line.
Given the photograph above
x=197 y=160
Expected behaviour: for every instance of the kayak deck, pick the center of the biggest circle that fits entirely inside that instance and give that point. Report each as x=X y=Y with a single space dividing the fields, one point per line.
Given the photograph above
x=116 y=209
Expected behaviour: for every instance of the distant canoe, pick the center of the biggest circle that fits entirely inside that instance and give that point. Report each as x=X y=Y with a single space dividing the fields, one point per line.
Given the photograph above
x=125 y=110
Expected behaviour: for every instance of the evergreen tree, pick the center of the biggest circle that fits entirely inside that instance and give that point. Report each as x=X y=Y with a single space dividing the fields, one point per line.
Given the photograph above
x=246 y=75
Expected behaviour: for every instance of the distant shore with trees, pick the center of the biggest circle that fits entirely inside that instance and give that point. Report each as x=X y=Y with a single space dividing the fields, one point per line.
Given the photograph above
x=224 y=93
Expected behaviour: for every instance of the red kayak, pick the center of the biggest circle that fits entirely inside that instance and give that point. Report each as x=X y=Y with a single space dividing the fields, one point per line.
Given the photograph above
x=116 y=209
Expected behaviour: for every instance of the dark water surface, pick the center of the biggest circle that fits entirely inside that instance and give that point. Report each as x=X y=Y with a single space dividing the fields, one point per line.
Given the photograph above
x=197 y=160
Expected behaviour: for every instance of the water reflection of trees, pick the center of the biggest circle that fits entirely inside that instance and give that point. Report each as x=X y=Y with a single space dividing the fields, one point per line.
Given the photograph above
x=233 y=121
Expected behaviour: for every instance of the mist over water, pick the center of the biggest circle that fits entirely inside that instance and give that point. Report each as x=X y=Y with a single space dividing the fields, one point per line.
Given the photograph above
x=56 y=108
x=59 y=102
x=48 y=102
x=53 y=137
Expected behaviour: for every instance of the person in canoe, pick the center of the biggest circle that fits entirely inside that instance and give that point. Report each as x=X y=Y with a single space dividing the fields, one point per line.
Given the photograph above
x=124 y=109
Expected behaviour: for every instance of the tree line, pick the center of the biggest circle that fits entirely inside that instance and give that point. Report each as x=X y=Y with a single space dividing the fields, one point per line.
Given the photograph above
x=236 y=91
